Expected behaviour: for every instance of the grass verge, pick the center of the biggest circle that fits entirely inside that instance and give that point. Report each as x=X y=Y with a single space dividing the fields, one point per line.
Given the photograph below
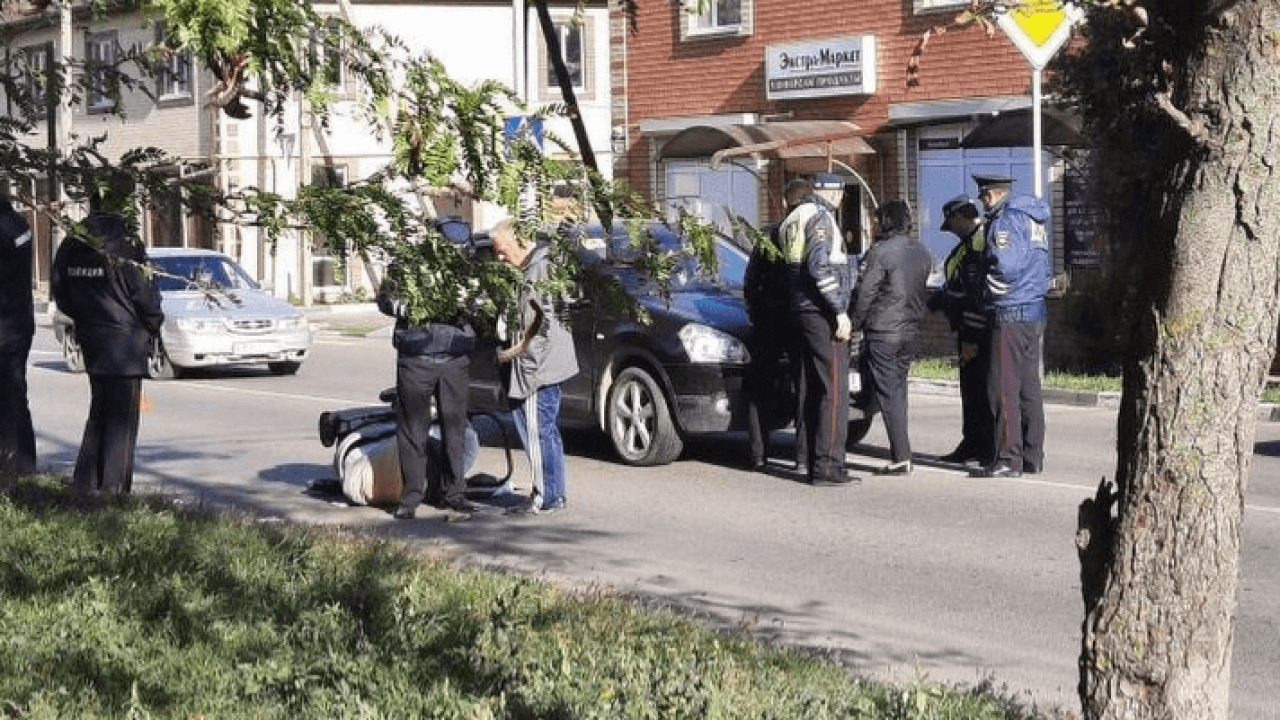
x=945 y=369
x=135 y=608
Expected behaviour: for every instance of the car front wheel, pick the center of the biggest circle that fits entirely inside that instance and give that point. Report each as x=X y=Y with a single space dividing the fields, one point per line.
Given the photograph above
x=639 y=420
x=158 y=365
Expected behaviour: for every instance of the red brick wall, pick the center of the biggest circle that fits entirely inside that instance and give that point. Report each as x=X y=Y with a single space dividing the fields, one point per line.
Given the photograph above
x=665 y=76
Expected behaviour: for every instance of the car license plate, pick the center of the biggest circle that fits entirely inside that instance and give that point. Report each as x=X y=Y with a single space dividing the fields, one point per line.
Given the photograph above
x=254 y=348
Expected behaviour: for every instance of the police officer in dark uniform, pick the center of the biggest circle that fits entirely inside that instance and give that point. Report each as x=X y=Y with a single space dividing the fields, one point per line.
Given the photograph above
x=432 y=361
x=99 y=282
x=820 y=284
x=962 y=300
x=17 y=327
x=771 y=342
x=1018 y=273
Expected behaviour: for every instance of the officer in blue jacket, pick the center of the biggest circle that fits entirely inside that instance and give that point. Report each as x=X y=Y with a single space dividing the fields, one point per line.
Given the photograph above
x=1018 y=271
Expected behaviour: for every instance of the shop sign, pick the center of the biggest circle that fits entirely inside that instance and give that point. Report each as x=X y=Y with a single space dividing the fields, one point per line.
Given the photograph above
x=821 y=68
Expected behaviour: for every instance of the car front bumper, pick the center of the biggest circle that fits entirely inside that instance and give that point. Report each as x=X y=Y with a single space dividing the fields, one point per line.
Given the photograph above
x=209 y=349
x=708 y=397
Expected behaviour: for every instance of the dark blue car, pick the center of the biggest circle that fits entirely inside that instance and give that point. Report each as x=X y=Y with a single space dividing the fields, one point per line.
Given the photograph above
x=650 y=385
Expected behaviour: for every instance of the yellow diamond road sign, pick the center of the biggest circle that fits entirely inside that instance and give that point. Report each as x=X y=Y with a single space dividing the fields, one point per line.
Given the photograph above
x=1039 y=28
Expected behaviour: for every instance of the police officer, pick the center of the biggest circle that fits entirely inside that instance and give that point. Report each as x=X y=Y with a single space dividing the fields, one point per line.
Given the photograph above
x=888 y=306
x=17 y=327
x=98 y=281
x=820 y=285
x=1017 y=279
x=765 y=290
x=432 y=361
x=962 y=299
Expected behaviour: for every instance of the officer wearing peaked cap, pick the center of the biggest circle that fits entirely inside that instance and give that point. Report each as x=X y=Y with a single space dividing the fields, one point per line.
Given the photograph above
x=1016 y=255
x=821 y=283
x=962 y=300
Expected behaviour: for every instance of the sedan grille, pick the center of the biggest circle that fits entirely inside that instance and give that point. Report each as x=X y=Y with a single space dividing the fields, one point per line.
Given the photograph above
x=256 y=325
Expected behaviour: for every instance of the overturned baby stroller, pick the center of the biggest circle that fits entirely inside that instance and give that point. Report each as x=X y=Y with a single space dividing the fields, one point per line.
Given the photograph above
x=367 y=460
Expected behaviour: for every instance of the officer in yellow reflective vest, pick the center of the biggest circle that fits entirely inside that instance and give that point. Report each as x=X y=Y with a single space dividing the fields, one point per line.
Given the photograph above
x=820 y=286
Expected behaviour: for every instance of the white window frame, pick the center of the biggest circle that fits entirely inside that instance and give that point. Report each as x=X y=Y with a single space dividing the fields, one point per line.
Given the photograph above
x=101 y=47
x=36 y=58
x=708 y=22
x=931 y=6
x=323 y=53
x=563 y=31
x=548 y=86
x=174 y=78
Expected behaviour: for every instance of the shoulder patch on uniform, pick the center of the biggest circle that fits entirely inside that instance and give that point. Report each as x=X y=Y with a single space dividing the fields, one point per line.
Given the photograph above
x=1001 y=239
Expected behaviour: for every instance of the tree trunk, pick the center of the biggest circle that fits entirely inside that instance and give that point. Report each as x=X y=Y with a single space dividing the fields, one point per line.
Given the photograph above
x=1160 y=554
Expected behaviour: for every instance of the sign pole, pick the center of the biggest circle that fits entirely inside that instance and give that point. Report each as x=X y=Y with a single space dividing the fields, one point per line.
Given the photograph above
x=1036 y=132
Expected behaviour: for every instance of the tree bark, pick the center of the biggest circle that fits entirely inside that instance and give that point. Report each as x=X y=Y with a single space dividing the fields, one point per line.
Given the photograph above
x=1160 y=551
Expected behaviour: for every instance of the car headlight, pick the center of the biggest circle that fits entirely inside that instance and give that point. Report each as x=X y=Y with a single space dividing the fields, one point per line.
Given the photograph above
x=198 y=325
x=707 y=345
x=295 y=322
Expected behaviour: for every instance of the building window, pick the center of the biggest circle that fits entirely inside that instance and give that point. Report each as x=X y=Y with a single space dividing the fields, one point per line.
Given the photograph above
x=924 y=6
x=570 y=37
x=173 y=70
x=35 y=77
x=324 y=266
x=576 y=42
x=702 y=18
x=326 y=58
x=101 y=52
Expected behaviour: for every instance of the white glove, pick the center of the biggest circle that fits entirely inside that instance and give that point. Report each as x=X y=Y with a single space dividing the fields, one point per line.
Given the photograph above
x=844 y=328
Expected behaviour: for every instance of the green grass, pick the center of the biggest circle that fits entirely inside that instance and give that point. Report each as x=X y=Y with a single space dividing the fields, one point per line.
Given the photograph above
x=944 y=369
x=355 y=330
x=139 y=609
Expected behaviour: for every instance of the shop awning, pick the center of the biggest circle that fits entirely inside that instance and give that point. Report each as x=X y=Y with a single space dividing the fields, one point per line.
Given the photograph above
x=1012 y=128
x=780 y=140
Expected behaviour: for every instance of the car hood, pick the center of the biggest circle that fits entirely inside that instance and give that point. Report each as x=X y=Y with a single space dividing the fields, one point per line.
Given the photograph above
x=240 y=303
x=720 y=309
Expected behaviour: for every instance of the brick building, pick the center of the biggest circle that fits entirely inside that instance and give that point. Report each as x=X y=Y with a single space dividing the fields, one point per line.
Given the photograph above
x=711 y=111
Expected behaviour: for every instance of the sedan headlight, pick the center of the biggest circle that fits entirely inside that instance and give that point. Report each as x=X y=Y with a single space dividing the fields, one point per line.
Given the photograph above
x=294 y=322
x=198 y=325
x=707 y=345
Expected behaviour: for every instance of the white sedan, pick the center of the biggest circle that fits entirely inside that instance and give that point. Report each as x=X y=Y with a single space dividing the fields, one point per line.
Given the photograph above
x=214 y=315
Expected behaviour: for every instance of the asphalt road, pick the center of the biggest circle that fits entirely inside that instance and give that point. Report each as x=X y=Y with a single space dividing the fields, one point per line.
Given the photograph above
x=936 y=575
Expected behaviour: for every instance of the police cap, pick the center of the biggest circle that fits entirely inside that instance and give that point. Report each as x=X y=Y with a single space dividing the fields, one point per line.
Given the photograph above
x=827 y=181
x=959 y=204
x=992 y=180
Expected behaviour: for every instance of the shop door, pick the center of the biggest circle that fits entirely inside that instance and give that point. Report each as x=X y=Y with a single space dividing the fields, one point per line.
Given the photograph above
x=945 y=172
x=713 y=194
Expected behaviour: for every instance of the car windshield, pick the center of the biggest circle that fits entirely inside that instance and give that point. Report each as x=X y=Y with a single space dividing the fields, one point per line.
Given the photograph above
x=189 y=272
x=732 y=260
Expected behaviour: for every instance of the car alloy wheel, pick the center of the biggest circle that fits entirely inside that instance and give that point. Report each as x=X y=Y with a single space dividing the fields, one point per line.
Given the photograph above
x=639 y=420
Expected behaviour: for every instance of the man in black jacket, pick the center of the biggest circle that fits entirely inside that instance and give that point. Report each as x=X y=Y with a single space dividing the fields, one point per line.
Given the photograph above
x=17 y=327
x=888 y=306
x=432 y=361
x=99 y=282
